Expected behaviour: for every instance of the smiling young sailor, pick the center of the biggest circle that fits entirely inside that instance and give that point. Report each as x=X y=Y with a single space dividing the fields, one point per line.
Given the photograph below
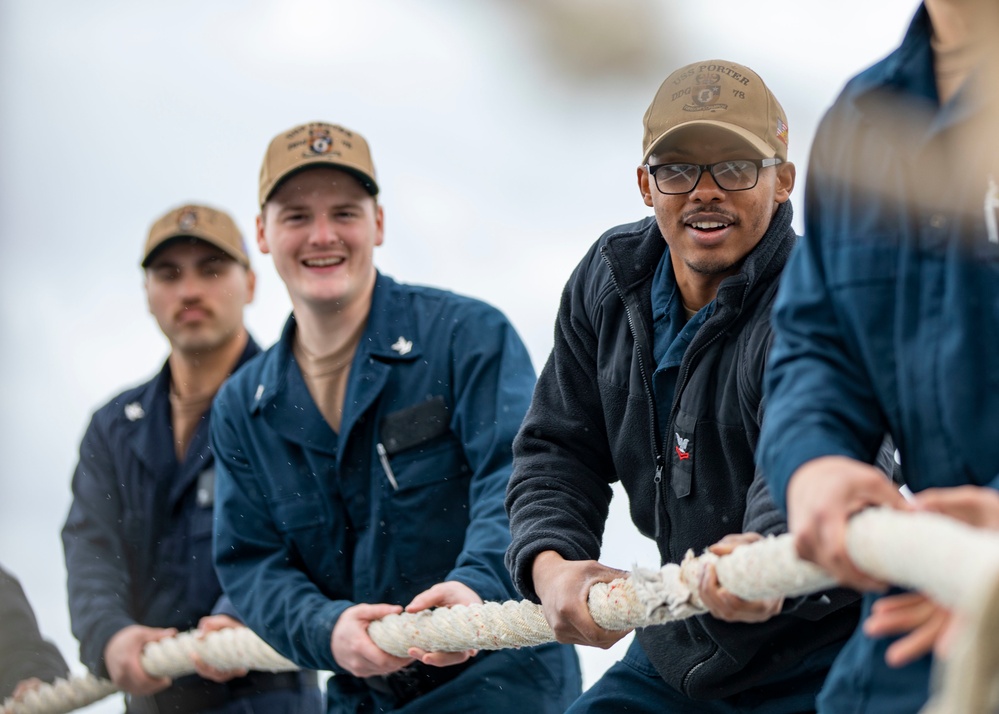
x=363 y=459
x=655 y=379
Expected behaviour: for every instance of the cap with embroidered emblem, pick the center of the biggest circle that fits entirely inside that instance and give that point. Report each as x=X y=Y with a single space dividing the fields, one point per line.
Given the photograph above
x=721 y=95
x=316 y=144
x=196 y=221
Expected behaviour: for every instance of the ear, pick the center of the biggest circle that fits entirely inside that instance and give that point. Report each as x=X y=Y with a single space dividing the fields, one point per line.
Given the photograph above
x=261 y=237
x=145 y=286
x=379 y=224
x=643 y=185
x=785 y=181
x=251 y=285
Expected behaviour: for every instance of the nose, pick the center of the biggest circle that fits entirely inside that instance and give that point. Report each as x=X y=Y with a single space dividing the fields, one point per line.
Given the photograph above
x=191 y=286
x=706 y=189
x=322 y=231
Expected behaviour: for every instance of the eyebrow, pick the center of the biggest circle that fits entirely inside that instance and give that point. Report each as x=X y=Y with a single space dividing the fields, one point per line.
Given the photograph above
x=166 y=264
x=686 y=155
x=215 y=258
x=292 y=206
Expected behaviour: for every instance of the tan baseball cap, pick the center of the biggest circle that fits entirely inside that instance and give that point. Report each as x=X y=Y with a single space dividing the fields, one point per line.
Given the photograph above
x=316 y=144
x=201 y=222
x=719 y=94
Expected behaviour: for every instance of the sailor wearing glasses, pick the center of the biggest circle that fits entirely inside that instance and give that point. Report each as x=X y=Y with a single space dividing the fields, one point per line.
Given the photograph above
x=655 y=380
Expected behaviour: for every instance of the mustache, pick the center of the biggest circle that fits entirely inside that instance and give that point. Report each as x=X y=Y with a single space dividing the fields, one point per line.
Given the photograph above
x=195 y=305
x=725 y=216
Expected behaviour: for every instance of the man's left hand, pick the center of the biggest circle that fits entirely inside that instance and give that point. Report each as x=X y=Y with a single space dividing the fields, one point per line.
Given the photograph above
x=725 y=605
x=443 y=594
x=213 y=623
x=25 y=686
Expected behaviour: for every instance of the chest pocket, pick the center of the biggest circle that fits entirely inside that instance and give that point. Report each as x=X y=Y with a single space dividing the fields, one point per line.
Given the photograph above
x=426 y=476
x=414 y=426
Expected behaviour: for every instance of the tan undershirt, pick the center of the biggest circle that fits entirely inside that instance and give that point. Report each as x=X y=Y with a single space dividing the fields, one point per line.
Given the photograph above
x=690 y=313
x=953 y=63
x=185 y=414
x=326 y=376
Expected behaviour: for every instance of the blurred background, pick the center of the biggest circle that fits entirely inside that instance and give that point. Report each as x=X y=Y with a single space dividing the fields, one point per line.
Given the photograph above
x=506 y=134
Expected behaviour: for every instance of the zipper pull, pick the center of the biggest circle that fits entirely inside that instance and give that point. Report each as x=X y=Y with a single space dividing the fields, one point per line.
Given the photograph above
x=660 y=463
x=386 y=466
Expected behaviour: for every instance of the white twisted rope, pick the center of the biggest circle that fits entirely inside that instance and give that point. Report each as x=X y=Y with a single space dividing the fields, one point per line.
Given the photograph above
x=939 y=556
x=230 y=648
x=949 y=561
x=63 y=695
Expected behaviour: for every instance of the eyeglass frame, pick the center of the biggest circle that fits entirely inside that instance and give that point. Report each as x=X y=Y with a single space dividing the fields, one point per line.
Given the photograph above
x=759 y=163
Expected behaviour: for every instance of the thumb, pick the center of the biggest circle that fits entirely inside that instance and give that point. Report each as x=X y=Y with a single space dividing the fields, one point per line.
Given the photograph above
x=427 y=599
x=371 y=612
x=163 y=634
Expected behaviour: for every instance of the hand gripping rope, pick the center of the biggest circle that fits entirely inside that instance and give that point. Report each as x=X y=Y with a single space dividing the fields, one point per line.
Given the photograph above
x=956 y=565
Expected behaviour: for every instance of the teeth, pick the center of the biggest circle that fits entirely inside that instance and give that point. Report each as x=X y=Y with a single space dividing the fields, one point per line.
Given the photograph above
x=323 y=262
x=705 y=225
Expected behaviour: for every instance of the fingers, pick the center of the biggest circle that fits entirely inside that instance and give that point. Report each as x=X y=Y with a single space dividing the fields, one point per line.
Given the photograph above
x=563 y=586
x=918 y=643
x=728 y=607
x=732 y=541
x=123 y=659
x=214 y=674
x=25 y=686
x=354 y=650
x=822 y=495
x=158 y=634
x=896 y=614
x=213 y=623
x=441 y=659
x=446 y=594
x=919 y=619
x=974 y=505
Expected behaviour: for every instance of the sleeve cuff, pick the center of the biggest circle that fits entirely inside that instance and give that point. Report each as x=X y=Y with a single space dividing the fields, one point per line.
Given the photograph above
x=322 y=634
x=786 y=461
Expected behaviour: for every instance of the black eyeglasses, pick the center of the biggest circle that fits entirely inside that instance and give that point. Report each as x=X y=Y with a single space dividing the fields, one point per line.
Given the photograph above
x=736 y=175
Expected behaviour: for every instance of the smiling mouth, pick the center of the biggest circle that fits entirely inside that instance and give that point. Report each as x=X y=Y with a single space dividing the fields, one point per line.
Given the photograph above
x=322 y=262
x=708 y=226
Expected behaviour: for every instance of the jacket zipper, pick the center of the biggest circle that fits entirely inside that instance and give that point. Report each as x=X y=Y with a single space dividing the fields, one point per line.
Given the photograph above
x=656 y=451
x=692 y=670
x=685 y=376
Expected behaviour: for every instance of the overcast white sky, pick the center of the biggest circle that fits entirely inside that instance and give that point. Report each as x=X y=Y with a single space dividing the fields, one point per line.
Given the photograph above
x=505 y=132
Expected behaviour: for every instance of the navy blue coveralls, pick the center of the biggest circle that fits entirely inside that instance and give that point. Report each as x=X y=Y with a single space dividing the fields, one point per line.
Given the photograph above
x=138 y=549
x=408 y=494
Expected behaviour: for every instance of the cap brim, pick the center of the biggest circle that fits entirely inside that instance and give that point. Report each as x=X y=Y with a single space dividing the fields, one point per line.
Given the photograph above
x=764 y=149
x=366 y=181
x=170 y=240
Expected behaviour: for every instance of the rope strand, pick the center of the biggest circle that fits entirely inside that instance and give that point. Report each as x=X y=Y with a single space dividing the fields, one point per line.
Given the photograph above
x=957 y=566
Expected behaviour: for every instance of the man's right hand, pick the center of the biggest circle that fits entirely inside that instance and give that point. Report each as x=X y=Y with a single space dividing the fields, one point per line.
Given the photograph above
x=977 y=506
x=355 y=651
x=925 y=625
x=123 y=658
x=563 y=586
x=821 y=496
